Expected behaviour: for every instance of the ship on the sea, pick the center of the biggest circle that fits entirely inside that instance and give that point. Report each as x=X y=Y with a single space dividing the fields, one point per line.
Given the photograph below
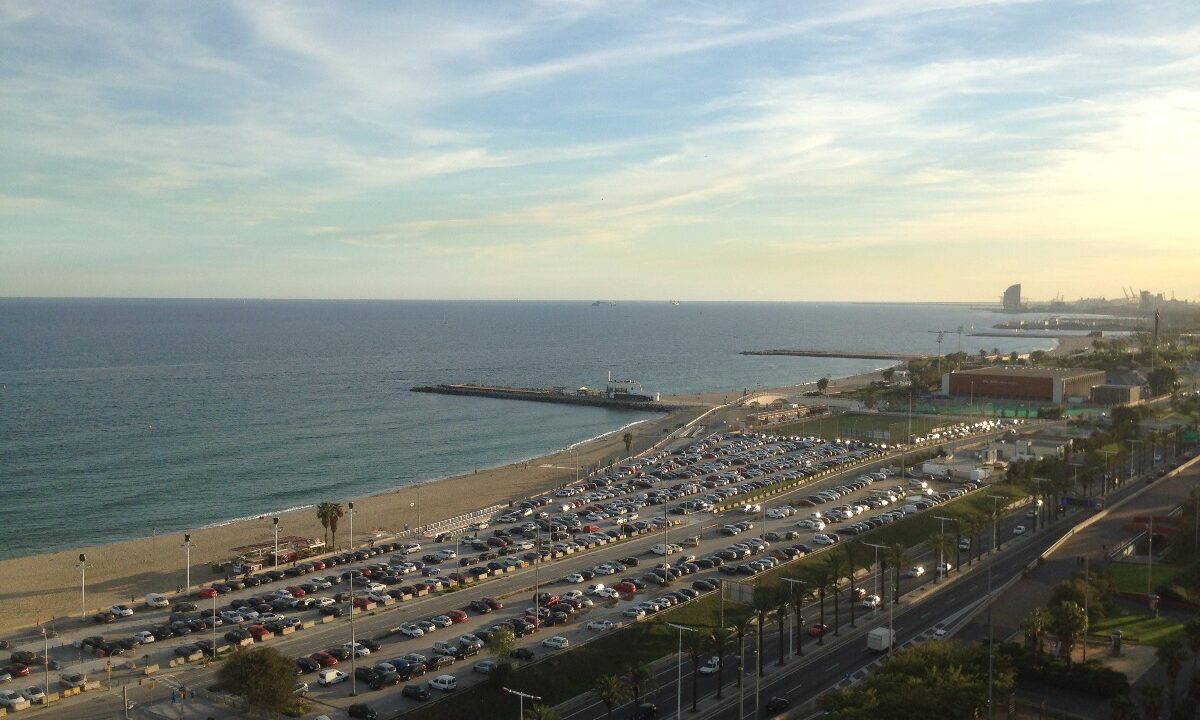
x=598 y=303
x=675 y=303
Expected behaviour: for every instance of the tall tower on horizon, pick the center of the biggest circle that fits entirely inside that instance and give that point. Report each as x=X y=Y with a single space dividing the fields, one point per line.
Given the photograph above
x=1012 y=297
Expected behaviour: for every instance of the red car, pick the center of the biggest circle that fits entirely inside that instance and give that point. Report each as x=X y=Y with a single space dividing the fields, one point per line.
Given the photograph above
x=817 y=630
x=296 y=591
x=364 y=572
x=259 y=632
x=625 y=588
x=361 y=603
x=318 y=565
x=497 y=542
x=493 y=603
x=457 y=616
x=536 y=622
x=805 y=503
x=206 y=593
x=17 y=670
x=324 y=659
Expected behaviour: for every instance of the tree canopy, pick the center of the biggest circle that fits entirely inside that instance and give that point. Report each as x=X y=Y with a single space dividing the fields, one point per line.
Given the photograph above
x=263 y=676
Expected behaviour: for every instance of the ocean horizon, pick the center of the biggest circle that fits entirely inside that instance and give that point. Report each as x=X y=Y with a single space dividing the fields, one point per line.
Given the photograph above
x=130 y=417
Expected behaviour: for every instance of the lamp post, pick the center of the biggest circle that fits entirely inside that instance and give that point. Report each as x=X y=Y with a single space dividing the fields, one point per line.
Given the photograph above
x=83 y=566
x=988 y=600
x=1132 y=455
x=1104 y=485
x=521 y=705
x=679 y=670
x=878 y=570
x=46 y=639
x=941 y=545
x=187 y=544
x=797 y=649
x=275 y=522
x=353 y=643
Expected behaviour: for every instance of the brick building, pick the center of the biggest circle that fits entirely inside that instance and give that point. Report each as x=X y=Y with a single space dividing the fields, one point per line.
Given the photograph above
x=1023 y=383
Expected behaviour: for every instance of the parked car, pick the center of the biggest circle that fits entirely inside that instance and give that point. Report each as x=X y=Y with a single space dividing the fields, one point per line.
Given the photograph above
x=445 y=683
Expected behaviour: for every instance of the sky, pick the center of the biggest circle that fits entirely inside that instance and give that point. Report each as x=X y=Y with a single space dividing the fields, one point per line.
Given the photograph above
x=822 y=150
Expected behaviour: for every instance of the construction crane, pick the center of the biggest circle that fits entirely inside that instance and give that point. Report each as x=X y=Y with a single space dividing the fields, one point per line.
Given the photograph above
x=941 y=335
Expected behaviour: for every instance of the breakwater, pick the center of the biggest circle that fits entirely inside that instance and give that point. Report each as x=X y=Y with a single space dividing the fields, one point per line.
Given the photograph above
x=855 y=354
x=545 y=395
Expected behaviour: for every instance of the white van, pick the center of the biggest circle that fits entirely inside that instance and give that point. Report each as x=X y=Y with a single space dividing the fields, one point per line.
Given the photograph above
x=331 y=677
x=156 y=600
x=445 y=683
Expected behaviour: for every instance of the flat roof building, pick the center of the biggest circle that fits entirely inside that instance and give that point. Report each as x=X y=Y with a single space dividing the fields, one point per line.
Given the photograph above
x=1023 y=383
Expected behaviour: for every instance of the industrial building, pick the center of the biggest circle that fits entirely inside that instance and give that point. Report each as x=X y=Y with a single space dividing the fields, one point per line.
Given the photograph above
x=1116 y=394
x=1024 y=383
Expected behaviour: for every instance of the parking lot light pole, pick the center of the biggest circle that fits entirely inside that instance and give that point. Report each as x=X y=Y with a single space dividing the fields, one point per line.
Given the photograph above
x=46 y=638
x=187 y=544
x=679 y=670
x=353 y=645
x=275 y=522
x=83 y=566
x=991 y=560
x=521 y=703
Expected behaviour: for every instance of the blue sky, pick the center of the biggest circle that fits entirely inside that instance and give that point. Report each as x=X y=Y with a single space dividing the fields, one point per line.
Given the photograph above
x=901 y=150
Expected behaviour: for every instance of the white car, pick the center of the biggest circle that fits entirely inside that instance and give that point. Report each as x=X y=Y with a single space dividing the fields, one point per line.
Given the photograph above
x=600 y=625
x=447 y=554
x=871 y=602
x=143 y=637
x=635 y=613
x=34 y=694
x=710 y=666
x=445 y=683
x=378 y=597
x=752 y=509
x=442 y=621
x=573 y=578
x=608 y=593
x=558 y=642
x=944 y=568
x=1019 y=530
x=916 y=571
x=358 y=649
x=574 y=594
x=324 y=601
x=594 y=589
x=121 y=610
x=332 y=677
x=667 y=549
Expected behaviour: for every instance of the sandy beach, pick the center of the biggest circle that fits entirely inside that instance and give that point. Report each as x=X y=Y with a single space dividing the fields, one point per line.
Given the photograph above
x=43 y=588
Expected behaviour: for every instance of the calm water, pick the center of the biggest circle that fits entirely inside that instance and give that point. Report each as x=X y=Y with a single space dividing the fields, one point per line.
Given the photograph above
x=123 y=417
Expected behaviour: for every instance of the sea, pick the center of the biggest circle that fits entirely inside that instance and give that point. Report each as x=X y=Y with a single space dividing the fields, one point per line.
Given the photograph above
x=127 y=418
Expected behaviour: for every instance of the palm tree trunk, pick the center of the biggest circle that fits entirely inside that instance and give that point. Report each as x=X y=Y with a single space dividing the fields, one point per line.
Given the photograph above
x=779 y=619
x=852 y=603
x=695 y=683
x=762 y=619
x=837 y=613
x=821 y=635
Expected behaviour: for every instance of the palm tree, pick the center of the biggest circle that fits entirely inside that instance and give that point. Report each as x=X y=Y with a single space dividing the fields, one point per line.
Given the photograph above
x=639 y=676
x=1035 y=625
x=539 y=711
x=796 y=600
x=822 y=586
x=718 y=640
x=1192 y=632
x=609 y=690
x=958 y=535
x=763 y=603
x=1171 y=654
x=835 y=566
x=896 y=556
x=852 y=564
x=627 y=438
x=939 y=543
x=329 y=513
x=783 y=601
x=1068 y=622
x=1150 y=698
x=740 y=627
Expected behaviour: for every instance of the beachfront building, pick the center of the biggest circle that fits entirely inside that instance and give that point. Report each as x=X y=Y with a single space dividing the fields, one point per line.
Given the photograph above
x=1023 y=383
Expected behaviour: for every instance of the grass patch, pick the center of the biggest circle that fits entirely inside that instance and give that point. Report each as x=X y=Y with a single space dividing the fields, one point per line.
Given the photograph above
x=1131 y=577
x=1138 y=627
x=854 y=425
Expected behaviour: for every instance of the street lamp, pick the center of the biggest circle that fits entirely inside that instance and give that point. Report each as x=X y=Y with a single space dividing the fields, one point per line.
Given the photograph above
x=187 y=544
x=83 y=566
x=679 y=670
x=988 y=600
x=522 y=696
x=797 y=648
x=417 y=505
x=941 y=544
x=878 y=570
x=353 y=643
x=275 y=522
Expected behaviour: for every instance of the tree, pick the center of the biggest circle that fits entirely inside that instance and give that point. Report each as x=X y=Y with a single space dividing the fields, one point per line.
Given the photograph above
x=1035 y=626
x=888 y=373
x=1149 y=698
x=1192 y=631
x=852 y=563
x=627 y=438
x=741 y=626
x=718 y=640
x=1162 y=380
x=940 y=544
x=896 y=556
x=503 y=642
x=609 y=690
x=822 y=385
x=1171 y=655
x=783 y=601
x=329 y=513
x=835 y=566
x=1068 y=623
x=639 y=676
x=763 y=603
x=263 y=676
x=539 y=711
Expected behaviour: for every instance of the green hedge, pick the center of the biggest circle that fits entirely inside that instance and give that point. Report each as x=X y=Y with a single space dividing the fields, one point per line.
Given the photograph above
x=1091 y=677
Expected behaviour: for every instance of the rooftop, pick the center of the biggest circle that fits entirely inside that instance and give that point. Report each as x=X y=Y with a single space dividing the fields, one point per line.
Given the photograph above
x=1035 y=372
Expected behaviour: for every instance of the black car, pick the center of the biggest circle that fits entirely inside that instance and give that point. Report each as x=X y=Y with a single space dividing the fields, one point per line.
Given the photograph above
x=777 y=705
x=366 y=674
x=522 y=654
x=362 y=711
x=237 y=635
x=416 y=692
x=184 y=651
x=339 y=653
x=385 y=679
x=331 y=611
x=369 y=644
x=481 y=607
x=409 y=670
x=104 y=618
x=437 y=662
x=184 y=607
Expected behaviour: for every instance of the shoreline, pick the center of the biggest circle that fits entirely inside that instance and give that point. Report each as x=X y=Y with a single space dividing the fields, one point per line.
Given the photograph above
x=127 y=570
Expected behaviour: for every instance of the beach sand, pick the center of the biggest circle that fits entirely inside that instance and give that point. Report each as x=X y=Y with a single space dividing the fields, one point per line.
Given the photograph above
x=41 y=588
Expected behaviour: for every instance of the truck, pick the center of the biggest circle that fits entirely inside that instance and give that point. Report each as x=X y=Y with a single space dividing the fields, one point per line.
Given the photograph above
x=880 y=639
